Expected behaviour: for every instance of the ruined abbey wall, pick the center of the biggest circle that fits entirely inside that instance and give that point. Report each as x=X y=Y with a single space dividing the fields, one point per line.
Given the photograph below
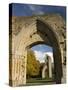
x=23 y=33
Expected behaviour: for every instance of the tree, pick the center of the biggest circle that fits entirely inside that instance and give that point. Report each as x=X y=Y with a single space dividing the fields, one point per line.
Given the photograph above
x=33 y=66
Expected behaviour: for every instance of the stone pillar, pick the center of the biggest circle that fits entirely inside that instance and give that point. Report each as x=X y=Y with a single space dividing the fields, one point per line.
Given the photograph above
x=17 y=70
x=50 y=67
x=44 y=71
x=57 y=65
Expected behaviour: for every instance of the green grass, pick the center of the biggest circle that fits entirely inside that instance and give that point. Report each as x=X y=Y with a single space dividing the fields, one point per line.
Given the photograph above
x=39 y=80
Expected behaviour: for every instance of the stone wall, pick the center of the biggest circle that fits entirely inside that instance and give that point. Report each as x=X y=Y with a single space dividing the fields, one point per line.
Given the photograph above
x=23 y=33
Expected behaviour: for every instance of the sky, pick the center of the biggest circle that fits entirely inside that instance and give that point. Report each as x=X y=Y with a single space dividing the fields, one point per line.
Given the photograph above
x=41 y=51
x=31 y=9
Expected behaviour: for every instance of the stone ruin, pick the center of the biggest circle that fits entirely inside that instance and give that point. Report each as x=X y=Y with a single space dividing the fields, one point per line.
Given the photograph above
x=25 y=32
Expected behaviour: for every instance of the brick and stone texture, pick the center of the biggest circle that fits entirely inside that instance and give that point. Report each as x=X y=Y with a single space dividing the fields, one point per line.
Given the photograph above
x=23 y=33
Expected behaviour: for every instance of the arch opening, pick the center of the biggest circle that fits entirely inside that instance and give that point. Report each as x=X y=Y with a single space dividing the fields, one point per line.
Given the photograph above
x=40 y=64
x=46 y=31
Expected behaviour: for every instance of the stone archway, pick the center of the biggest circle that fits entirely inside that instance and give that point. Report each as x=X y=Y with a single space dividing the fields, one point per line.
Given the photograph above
x=47 y=66
x=44 y=71
x=28 y=31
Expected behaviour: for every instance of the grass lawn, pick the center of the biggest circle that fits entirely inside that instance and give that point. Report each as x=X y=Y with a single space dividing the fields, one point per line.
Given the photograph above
x=39 y=81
